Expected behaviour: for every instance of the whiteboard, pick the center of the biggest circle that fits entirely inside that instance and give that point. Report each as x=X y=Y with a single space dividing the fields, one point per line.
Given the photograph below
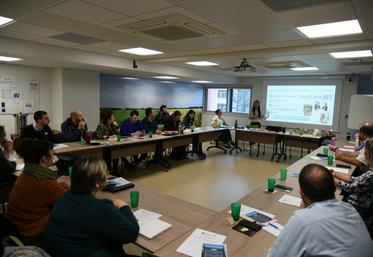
x=361 y=110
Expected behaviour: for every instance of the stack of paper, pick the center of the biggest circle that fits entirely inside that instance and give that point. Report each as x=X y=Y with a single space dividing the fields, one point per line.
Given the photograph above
x=346 y=150
x=246 y=210
x=274 y=228
x=291 y=200
x=58 y=146
x=192 y=246
x=336 y=169
x=150 y=224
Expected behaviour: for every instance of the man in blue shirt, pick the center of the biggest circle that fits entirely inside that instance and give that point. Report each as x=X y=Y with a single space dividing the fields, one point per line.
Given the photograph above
x=325 y=226
x=149 y=123
x=132 y=127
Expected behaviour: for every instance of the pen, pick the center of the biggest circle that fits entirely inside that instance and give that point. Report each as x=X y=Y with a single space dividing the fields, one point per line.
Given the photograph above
x=273 y=225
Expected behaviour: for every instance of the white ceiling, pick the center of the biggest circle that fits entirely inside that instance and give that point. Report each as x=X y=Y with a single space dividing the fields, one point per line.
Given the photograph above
x=252 y=30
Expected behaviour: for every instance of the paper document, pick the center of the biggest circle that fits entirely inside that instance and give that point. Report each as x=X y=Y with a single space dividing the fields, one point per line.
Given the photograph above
x=58 y=146
x=291 y=200
x=274 y=228
x=318 y=158
x=144 y=216
x=153 y=228
x=20 y=166
x=349 y=147
x=346 y=150
x=336 y=169
x=192 y=246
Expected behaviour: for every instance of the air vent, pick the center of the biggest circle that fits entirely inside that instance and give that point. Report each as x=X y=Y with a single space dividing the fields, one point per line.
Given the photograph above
x=283 y=65
x=171 y=28
x=279 y=6
x=77 y=38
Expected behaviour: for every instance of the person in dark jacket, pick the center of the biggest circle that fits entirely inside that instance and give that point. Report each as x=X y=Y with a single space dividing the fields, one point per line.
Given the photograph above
x=7 y=167
x=40 y=129
x=172 y=124
x=91 y=227
x=163 y=116
x=149 y=123
x=74 y=127
x=188 y=120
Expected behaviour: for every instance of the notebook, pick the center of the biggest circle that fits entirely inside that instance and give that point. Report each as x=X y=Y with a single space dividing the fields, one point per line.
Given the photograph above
x=117 y=184
x=150 y=224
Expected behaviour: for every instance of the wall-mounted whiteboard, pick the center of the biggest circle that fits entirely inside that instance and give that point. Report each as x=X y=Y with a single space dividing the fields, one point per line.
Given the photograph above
x=361 y=110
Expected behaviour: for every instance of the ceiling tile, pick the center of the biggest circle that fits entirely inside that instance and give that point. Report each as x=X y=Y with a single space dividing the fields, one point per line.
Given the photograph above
x=57 y=42
x=32 y=29
x=367 y=26
x=85 y=12
x=363 y=8
x=132 y=7
x=253 y=24
x=227 y=10
x=276 y=36
x=339 y=11
x=113 y=24
x=19 y=35
x=302 y=42
x=339 y=39
x=248 y=47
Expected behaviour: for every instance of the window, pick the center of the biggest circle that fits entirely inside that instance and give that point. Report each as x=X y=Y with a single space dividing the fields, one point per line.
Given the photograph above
x=228 y=99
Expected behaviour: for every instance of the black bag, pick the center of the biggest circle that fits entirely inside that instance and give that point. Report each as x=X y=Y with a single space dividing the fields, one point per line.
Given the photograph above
x=64 y=162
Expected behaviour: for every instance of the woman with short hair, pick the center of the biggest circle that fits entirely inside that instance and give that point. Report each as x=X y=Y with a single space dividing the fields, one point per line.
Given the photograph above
x=82 y=225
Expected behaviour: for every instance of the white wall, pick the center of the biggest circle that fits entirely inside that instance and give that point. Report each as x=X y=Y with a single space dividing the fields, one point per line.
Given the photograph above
x=23 y=75
x=81 y=90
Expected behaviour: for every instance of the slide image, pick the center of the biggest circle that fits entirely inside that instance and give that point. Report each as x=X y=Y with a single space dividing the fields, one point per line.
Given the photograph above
x=307 y=109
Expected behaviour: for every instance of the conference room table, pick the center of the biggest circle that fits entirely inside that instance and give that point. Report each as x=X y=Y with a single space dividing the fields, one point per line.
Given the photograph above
x=240 y=245
x=182 y=215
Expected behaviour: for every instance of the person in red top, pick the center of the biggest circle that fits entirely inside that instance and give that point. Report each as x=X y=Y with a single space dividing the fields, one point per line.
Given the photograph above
x=36 y=190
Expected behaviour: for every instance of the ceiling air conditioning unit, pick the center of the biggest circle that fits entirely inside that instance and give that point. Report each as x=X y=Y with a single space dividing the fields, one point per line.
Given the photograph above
x=171 y=28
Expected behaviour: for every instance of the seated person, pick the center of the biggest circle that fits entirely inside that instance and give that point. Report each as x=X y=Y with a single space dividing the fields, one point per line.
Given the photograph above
x=357 y=158
x=40 y=129
x=7 y=159
x=163 y=116
x=324 y=226
x=188 y=120
x=358 y=191
x=132 y=127
x=107 y=128
x=74 y=128
x=83 y=225
x=217 y=122
x=149 y=123
x=172 y=124
x=35 y=191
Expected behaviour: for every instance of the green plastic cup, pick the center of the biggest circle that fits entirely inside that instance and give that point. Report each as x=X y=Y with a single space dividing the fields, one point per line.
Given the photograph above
x=150 y=134
x=271 y=184
x=134 y=199
x=283 y=174
x=330 y=160
x=119 y=137
x=70 y=170
x=235 y=210
x=326 y=150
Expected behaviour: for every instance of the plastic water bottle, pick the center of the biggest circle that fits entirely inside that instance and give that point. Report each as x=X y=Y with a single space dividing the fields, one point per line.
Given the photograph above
x=180 y=129
x=235 y=124
x=333 y=141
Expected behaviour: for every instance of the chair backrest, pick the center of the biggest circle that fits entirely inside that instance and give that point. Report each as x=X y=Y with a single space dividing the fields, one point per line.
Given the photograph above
x=7 y=227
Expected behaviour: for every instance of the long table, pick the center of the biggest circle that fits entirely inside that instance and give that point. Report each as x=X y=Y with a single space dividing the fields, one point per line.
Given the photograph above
x=241 y=245
x=182 y=215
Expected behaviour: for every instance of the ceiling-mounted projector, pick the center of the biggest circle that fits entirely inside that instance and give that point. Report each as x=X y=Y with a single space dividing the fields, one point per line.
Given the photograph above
x=243 y=66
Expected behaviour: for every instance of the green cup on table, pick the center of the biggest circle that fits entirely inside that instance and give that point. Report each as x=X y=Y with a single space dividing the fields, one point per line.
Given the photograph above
x=134 y=196
x=271 y=184
x=235 y=210
x=119 y=137
x=283 y=174
x=330 y=160
x=326 y=150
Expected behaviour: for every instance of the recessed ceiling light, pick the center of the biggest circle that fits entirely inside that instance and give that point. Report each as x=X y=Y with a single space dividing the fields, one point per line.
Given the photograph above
x=202 y=81
x=333 y=29
x=167 y=82
x=202 y=63
x=4 y=21
x=352 y=54
x=9 y=59
x=165 y=77
x=129 y=78
x=304 y=68
x=140 y=51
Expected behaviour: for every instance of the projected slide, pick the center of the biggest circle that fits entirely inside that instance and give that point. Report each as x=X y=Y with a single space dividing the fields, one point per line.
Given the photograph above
x=301 y=104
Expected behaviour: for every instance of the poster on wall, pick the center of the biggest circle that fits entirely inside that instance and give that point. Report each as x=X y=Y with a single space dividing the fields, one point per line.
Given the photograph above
x=34 y=84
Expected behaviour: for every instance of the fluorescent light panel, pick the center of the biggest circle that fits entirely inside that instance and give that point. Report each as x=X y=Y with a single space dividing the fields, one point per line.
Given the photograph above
x=167 y=82
x=9 y=59
x=5 y=21
x=202 y=81
x=352 y=54
x=304 y=68
x=165 y=77
x=140 y=51
x=334 y=29
x=202 y=63
x=129 y=78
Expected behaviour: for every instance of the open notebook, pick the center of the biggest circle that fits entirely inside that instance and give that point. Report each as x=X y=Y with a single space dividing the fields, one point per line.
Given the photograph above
x=150 y=224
